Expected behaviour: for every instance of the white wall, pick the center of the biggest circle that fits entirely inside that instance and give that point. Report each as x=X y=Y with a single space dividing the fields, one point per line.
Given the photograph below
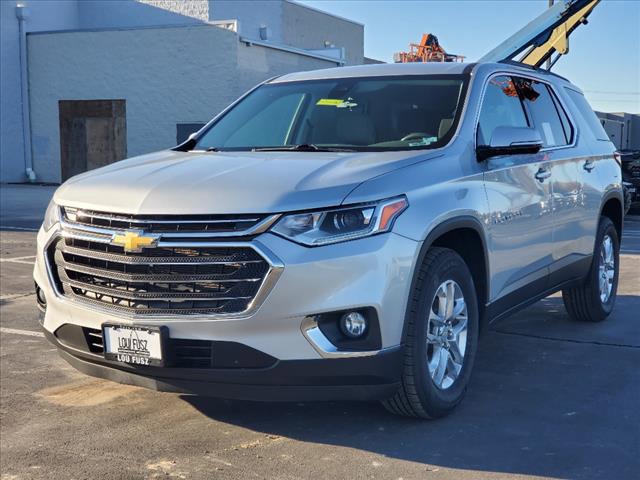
x=11 y=144
x=166 y=75
x=293 y=24
x=308 y=28
x=55 y=15
x=47 y=15
x=252 y=14
x=140 y=13
x=289 y=23
x=43 y=15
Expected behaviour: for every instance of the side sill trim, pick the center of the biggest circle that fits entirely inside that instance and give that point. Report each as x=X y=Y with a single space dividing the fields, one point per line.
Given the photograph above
x=516 y=308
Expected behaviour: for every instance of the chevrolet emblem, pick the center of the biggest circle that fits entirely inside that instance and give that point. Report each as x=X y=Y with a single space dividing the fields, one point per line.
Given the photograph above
x=134 y=240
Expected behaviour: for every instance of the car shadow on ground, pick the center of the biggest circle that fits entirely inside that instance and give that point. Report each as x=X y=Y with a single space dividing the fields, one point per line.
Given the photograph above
x=537 y=406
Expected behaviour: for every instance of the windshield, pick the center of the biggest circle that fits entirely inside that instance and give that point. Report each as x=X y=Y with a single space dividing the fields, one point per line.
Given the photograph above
x=380 y=113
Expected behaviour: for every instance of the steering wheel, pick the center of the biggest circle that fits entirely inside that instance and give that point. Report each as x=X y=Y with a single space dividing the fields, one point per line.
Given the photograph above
x=414 y=135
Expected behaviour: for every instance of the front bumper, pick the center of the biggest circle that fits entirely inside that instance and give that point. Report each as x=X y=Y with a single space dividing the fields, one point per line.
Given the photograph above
x=361 y=378
x=373 y=272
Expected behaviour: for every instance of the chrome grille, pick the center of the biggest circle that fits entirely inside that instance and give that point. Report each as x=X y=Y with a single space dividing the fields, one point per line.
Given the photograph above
x=193 y=226
x=183 y=275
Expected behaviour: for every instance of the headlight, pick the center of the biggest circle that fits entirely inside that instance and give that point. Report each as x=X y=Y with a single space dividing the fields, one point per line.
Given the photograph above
x=341 y=224
x=51 y=216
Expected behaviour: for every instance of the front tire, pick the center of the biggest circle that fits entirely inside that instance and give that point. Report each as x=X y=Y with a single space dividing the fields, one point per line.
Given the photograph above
x=441 y=338
x=595 y=298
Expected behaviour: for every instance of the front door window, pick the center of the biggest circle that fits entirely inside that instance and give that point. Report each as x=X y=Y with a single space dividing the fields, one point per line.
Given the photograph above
x=501 y=107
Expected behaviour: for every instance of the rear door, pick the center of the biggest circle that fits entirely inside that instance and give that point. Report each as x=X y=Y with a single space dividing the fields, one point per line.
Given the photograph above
x=597 y=169
x=549 y=117
x=518 y=189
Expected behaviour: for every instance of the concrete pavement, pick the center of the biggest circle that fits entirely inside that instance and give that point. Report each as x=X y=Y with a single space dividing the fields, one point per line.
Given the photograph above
x=549 y=398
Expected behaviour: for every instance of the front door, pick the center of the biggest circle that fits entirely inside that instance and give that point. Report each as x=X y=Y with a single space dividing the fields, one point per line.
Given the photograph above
x=518 y=190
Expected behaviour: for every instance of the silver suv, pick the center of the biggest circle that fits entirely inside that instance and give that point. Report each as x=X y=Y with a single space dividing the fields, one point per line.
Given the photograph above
x=337 y=234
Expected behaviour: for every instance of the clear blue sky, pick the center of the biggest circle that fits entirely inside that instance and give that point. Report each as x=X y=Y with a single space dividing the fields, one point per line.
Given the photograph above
x=604 y=56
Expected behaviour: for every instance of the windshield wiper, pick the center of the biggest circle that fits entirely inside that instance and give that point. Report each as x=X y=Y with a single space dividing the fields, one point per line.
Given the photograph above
x=303 y=147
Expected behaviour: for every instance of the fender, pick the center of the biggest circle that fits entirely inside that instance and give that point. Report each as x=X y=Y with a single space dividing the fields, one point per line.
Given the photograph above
x=618 y=195
x=464 y=221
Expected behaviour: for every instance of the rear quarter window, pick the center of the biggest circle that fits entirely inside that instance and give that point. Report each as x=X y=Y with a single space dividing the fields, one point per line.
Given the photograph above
x=584 y=109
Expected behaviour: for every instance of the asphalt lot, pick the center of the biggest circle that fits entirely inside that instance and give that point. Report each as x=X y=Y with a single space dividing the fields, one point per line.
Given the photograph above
x=549 y=398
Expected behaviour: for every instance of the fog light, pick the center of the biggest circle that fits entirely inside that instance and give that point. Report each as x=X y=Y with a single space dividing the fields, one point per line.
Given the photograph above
x=40 y=297
x=353 y=324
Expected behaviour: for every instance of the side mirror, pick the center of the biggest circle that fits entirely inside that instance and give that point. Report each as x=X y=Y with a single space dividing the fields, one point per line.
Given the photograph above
x=510 y=141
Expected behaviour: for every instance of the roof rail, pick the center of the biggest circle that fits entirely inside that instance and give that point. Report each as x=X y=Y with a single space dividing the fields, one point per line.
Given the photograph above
x=535 y=69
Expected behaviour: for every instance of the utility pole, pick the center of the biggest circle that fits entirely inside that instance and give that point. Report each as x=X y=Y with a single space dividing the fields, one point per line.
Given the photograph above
x=549 y=59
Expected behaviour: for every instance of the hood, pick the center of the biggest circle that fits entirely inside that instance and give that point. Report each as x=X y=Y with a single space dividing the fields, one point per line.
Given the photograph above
x=171 y=182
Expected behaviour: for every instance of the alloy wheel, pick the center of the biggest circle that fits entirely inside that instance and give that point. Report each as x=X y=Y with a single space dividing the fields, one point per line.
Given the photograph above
x=446 y=334
x=606 y=268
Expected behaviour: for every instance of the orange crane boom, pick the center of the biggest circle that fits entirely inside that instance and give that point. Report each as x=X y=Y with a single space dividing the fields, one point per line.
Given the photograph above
x=428 y=50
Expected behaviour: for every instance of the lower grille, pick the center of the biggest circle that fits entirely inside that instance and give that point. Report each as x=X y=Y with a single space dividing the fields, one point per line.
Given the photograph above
x=181 y=353
x=182 y=280
x=94 y=340
x=191 y=353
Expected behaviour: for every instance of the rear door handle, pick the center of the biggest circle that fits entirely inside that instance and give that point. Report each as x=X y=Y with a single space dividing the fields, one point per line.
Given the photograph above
x=542 y=174
x=589 y=165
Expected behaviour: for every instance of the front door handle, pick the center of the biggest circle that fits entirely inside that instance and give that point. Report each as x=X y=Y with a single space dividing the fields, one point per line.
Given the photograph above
x=589 y=165
x=542 y=174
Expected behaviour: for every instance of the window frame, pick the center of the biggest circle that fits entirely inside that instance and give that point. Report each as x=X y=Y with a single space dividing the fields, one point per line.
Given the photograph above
x=552 y=89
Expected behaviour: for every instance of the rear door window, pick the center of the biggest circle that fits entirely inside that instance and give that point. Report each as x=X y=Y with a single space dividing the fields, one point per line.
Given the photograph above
x=543 y=112
x=501 y=107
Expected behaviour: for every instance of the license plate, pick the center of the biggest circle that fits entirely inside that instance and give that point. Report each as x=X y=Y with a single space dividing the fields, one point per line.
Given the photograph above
x=136 y=345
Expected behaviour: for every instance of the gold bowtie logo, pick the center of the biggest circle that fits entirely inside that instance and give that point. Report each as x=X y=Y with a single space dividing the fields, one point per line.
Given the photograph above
x=134 y=240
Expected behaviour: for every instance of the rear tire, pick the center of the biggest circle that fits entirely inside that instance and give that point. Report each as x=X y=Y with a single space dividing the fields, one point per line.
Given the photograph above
x=438 y=333
x=595 y=298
